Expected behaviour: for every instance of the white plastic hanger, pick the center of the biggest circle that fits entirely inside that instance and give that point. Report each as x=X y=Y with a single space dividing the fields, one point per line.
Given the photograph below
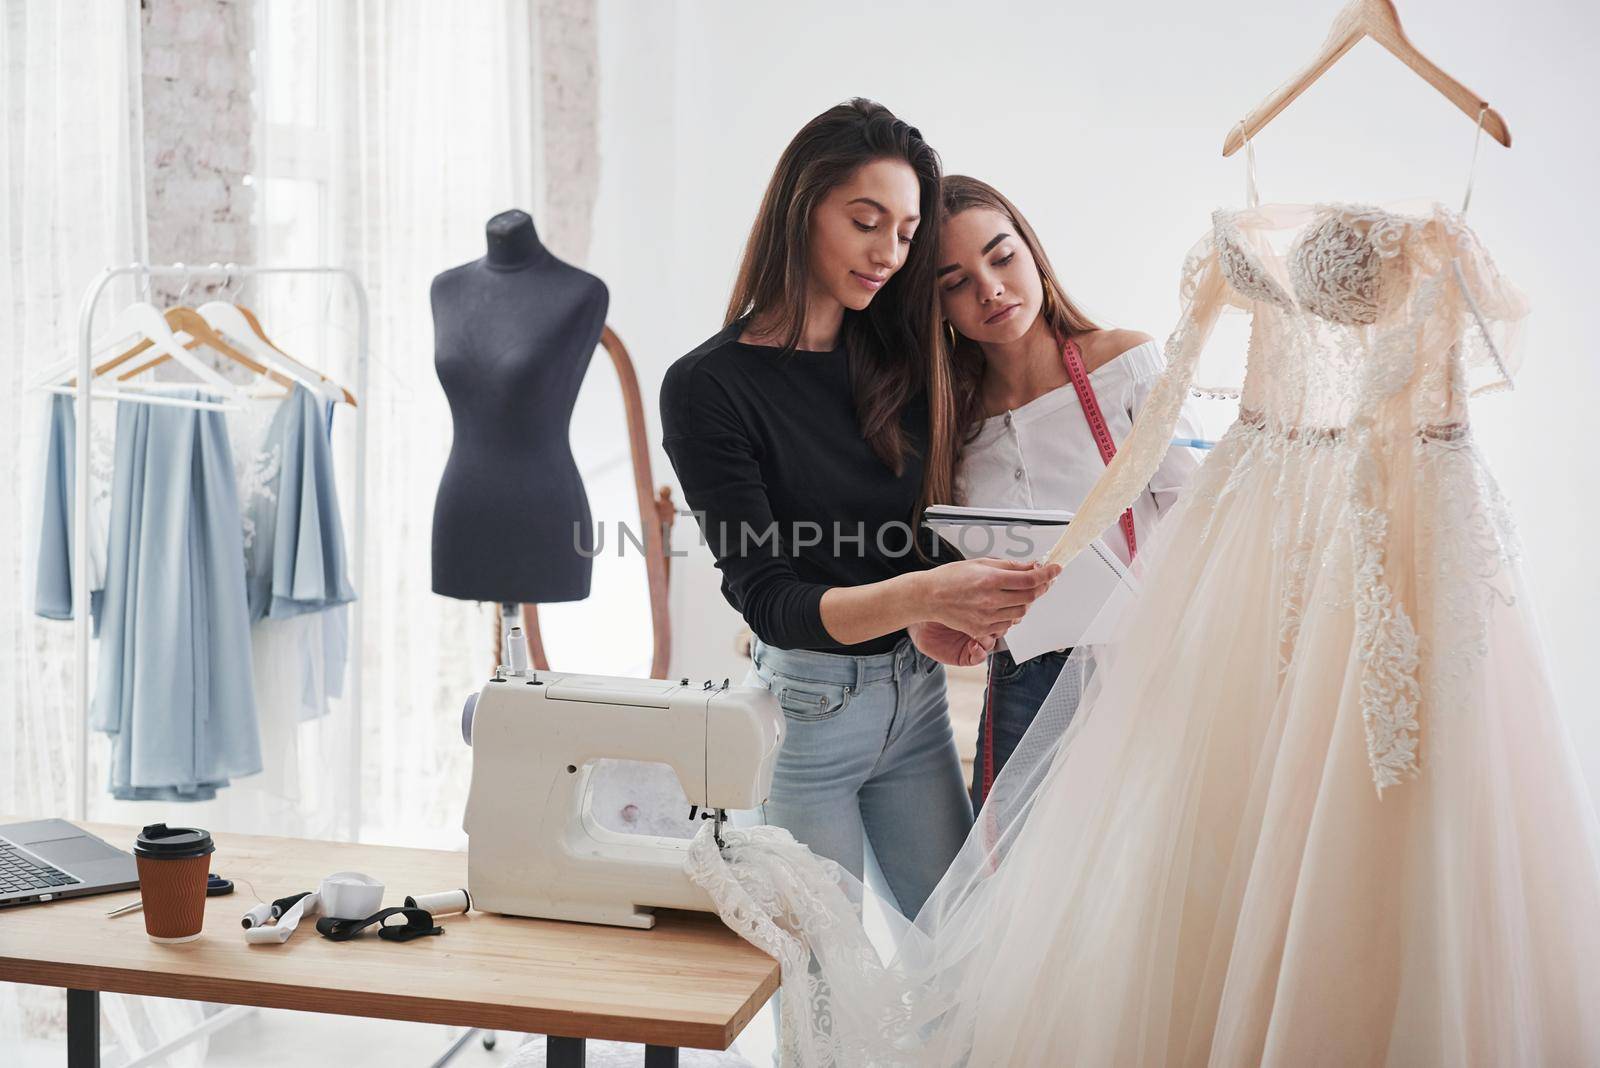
x=122 y=334
x=188 y=321
x=147 y=322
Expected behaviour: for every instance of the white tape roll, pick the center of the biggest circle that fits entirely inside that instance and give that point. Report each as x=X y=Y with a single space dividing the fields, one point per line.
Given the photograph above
x=444 y=903
x=350 y=895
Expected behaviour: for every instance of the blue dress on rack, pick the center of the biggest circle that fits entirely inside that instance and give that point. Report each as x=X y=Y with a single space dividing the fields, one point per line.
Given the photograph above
x=181 y=589
x=296 y=561
x=175 y=690
x=53 y=588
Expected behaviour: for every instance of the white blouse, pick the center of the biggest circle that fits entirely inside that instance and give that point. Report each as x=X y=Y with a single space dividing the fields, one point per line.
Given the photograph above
x=1043 y=454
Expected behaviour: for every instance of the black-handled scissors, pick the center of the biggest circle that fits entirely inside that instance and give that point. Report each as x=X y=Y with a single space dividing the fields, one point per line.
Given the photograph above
x=216 y=886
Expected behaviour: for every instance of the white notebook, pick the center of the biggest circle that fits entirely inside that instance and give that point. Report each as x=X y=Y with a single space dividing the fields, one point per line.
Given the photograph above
x=1083 y=606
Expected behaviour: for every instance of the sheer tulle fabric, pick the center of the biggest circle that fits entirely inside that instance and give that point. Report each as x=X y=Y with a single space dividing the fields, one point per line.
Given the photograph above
x=1344 y=824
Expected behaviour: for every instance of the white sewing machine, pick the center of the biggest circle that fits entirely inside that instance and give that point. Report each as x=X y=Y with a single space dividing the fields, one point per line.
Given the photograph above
x=535 y=848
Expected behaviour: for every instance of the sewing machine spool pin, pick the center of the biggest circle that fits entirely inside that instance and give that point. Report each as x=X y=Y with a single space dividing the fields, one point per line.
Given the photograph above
x=514 y=646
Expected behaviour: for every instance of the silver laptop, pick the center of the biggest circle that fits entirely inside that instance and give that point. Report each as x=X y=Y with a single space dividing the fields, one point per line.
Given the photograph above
x=49 y=859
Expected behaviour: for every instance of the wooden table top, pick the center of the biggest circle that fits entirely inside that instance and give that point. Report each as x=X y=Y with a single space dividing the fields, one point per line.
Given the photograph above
x=689 y=981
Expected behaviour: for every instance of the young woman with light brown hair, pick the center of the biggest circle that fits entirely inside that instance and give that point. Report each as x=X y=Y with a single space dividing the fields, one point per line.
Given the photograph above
x=1042 y=395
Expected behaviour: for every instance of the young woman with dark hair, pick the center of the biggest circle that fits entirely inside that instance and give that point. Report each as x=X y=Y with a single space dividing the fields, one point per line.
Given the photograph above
x=808 y=435
x=1042 y=396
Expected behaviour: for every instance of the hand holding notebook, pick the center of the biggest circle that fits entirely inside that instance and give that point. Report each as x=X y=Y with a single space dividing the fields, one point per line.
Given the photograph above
x=1083 y=605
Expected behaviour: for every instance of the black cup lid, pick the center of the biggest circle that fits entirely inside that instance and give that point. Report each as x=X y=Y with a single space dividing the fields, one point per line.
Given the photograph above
x=172 y=843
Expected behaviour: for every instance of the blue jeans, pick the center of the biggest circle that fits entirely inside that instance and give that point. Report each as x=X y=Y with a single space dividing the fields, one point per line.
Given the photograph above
x=869 y=758
x=1010 y=702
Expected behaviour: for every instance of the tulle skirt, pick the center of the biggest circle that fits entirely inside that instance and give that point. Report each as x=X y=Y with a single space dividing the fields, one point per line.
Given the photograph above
x=1206 y=872
x=1201 y=870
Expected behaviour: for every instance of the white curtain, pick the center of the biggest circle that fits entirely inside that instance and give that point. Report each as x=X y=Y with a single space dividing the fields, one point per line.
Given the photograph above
x=392 y=132
x=434 y=120
x=69 y=175
x=71 y=182
x=426 y=128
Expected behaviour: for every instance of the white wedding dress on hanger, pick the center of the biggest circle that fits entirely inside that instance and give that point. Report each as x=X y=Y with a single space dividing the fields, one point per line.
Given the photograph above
x=1343 y=823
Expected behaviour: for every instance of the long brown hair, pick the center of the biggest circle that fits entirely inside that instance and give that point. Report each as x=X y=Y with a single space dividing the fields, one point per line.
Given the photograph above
x=892 y=345
x=1064 y=316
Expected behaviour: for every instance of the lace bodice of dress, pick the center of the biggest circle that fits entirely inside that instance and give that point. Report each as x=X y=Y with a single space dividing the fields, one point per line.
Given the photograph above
x=1340 y=296
x=1364 y=315
x=1369 y=329
x=1340 y=272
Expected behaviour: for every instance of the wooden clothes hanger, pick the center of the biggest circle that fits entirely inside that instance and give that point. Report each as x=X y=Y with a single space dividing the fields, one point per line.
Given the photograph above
x=229 y=315
x=156 y=330
x=144 y=320
x=138 y=321
x=205 y=325
x=1378 y=20
x=190 y=322
x=241 y=325
x=255 y=325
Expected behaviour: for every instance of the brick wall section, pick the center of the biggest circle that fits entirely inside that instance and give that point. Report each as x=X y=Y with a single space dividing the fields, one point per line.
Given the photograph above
x=197 y=82
x=569 y=74
x=198 y=130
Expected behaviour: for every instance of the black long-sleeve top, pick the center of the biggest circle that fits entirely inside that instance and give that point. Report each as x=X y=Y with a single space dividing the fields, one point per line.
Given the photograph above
x=790 y=497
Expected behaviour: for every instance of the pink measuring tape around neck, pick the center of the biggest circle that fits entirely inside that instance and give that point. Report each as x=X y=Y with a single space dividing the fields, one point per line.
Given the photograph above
x=1108 y=449
x=1097 y=424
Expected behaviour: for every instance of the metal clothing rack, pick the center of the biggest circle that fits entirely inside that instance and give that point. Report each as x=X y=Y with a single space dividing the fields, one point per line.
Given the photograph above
x=81 y=488
x=80 y=564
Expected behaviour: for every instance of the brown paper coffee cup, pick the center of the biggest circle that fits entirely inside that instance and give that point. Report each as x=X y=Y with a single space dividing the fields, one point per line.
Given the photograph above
x=173 y=866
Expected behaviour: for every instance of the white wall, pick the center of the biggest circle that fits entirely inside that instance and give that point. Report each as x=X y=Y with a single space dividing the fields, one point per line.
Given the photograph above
x=1104 y=123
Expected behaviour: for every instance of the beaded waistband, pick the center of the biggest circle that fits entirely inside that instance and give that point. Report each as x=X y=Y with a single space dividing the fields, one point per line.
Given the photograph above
x=1318 y=435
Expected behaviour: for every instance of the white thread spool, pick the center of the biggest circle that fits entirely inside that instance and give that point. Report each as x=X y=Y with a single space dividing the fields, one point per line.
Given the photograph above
x=444 y=903
x=258 y=916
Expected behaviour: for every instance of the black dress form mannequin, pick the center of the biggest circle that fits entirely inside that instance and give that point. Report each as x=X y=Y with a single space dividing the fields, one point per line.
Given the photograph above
x=513 y=335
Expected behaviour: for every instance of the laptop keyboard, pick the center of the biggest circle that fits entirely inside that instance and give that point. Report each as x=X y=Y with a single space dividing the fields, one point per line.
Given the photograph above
x=20 y=872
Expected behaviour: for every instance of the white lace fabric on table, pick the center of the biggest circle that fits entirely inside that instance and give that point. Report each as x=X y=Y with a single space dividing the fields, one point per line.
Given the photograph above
x=1344 y=823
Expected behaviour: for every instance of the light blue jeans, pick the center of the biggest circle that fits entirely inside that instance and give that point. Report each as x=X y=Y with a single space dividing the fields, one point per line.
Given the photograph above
x=869 y=759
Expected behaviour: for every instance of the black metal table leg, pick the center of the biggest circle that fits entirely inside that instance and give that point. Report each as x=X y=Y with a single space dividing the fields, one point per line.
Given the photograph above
x=568 y=1053
x=83 y=1029
x=562 y=1052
